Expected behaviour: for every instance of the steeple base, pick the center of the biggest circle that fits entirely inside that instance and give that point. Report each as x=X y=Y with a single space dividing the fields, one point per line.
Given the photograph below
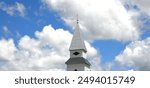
x=78 y=64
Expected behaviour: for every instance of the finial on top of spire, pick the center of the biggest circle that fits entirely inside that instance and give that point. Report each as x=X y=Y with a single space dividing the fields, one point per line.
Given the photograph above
x=77 y=19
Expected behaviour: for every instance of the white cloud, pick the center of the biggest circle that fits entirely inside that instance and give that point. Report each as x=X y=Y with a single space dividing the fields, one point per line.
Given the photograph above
x=94 y=57
x=136 y=55
x=140 y=4
x=99 y=19
x=20 y=8
x=5 y=29
x=47 y=51
x=143 y=5
x=7 y=49
x=141 y=11
x=17 y=8
x=7 y=33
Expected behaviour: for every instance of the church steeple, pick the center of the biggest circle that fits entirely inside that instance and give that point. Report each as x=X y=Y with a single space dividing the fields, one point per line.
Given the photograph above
x=77 y=40
x=77 y=61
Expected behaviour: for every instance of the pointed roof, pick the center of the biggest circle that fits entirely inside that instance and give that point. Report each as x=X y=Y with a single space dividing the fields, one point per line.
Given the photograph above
x=77 y=42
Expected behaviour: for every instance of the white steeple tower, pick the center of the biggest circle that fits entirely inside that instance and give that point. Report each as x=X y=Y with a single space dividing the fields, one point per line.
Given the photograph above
x=77 y=61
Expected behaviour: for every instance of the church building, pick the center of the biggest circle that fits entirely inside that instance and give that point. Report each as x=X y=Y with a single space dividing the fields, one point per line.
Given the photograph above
x=77 y=60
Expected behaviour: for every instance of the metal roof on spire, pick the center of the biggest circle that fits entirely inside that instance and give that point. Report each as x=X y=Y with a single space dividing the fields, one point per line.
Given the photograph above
x=77 y=42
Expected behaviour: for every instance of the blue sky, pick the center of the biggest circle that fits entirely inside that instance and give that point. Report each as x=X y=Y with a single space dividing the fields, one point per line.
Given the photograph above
x=36 y=14
x=31 y=22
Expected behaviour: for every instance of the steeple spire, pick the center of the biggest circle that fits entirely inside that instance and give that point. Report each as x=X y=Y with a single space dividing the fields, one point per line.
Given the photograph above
x=77 y=61
x=77 y=42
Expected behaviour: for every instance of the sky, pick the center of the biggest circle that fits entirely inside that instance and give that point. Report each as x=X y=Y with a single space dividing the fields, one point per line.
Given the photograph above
x=36 y=34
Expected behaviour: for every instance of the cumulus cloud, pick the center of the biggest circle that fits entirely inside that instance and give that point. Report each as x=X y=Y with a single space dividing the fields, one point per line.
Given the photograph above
x=16 y=9
x=47 y=51
x=99 y=19
x=143 y=5
x=7 y=49
x=136 y=55
x=141 y=11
